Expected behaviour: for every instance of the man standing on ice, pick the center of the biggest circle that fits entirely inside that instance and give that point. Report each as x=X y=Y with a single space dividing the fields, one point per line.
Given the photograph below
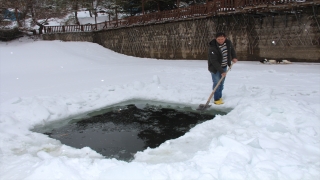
x=221 y=53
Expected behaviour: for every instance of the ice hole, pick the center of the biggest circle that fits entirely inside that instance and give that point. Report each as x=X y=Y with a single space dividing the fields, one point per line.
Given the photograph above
x=121 y=130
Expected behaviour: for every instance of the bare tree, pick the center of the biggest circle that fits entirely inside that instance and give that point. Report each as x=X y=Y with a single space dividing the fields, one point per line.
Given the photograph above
x=35 y=12
x=75 y=8
x=20 y=9
x=94 y=6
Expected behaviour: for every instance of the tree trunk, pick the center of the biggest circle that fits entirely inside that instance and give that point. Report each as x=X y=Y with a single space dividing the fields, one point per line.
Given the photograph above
x=33 y=17
x=143 y=6
x=76 y=12
x=40 y=28
x=91 y=9
x=17 y=17
x=76 y=17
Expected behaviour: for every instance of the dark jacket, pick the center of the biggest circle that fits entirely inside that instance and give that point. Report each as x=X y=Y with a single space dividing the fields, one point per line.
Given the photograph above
x=215 y=56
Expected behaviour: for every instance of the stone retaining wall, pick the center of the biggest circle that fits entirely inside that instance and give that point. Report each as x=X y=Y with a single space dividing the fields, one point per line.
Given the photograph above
x=291 y=35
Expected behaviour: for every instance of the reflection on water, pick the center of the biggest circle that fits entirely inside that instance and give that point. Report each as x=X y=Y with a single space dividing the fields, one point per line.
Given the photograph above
x=121 y=131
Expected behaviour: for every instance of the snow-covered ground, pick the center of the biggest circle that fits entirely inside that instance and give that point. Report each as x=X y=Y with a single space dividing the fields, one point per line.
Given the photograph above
x=272 y=131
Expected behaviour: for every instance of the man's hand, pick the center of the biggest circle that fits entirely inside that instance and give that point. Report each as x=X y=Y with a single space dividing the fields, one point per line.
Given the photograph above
x=234 y=60
x=223 y=74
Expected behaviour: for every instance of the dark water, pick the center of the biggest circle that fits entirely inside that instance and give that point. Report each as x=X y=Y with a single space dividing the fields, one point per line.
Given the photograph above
x=119 y=132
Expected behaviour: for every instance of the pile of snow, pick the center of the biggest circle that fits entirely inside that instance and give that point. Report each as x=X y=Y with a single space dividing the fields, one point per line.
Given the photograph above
x=271 y=132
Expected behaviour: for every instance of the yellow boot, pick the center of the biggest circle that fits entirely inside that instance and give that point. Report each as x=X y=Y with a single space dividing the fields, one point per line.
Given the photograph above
x=220 y=101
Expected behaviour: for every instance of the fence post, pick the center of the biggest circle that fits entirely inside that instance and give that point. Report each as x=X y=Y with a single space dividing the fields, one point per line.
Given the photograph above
x=63 y=29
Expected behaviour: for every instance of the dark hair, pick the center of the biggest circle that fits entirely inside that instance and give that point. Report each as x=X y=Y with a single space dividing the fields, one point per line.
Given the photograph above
x=220 y=34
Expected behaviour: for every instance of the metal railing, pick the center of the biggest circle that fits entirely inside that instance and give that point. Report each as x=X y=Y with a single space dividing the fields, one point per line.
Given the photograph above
x=212 y=8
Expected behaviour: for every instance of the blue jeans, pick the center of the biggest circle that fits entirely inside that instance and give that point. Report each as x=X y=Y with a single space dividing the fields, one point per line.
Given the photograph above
x=215 y=79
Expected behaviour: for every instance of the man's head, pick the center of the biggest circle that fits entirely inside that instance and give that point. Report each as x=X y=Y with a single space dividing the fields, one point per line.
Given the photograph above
x=221 y=37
